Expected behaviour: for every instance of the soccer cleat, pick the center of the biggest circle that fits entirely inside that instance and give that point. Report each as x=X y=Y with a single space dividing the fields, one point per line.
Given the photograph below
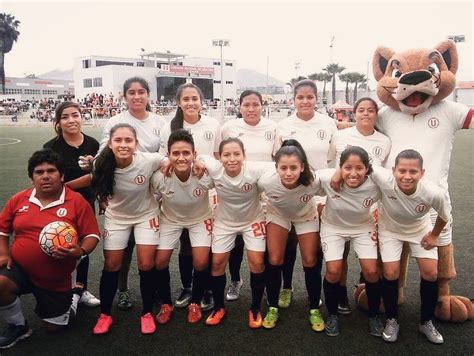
x=271 y=318
x=255 y=319
x=332 y=325
x=14 y=333
x=431 y=333
x=124 y=302
x=234 y=290
x=103 y=324
x=183 y=298
x=390 y=332
x=316 y=320
x=147 y=324
x=165 y=313
x=376 y=326
x=215 y=317
x=194 y=313
x=207 y=301
x=89 y=299
x=285 y=297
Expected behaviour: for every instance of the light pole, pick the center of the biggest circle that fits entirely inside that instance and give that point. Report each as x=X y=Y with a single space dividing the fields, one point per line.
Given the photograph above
x=456 y=39
x=221 y=43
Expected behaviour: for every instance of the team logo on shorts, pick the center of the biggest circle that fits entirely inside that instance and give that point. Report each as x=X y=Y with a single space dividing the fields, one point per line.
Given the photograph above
x=198 y=192
x=61 y=212
x=305 y=198
x=268 y=135
x=420 y=208
x=367 y=202
x=324 y=246
x=105 y=234
x=322 y=134
x=139 y=180
x=208 y=135
x=433 y=123
x=247 y=187
x=377 y=150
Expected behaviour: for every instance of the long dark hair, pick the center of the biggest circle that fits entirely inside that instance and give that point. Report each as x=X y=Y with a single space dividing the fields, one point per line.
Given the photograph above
x=292 y=147
x=128 y=83
x=59 y=111
x=177 y=121
x=359 y=152
x=103 y=175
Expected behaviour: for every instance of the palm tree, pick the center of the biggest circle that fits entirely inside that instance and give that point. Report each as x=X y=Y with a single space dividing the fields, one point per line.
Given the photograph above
x=359 y=78
x=346 y=78
x=321 y=77
x=293 y=81
x=8 y=34
x=333 y=69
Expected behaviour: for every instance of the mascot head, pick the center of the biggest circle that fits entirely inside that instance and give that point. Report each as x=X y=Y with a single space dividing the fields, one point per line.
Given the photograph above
x=412 y=80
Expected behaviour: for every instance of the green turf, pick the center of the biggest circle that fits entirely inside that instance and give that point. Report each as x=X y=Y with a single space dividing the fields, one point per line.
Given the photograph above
x=292 y=335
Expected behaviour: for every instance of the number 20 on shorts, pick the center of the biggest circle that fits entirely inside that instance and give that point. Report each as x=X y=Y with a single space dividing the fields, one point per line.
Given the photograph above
x=259 y=229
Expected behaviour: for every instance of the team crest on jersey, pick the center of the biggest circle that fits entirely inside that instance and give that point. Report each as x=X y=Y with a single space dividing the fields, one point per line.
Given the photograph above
x=420 y=208
x=208 y=135
x=247 y=187
x=139 y=180
x=367 y=202
x=105 y=234
x=433 y=123
x=268 y=135
x=198 y=192
x=305 y=198
x=322 y=134
x=61 y=212
x=377 y=150
x=324 y=246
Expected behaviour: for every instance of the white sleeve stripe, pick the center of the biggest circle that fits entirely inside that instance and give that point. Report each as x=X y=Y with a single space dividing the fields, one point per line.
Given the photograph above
x=5 y=234
x=92 y=235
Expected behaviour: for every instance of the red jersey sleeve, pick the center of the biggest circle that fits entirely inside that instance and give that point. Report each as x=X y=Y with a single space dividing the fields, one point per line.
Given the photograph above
x=7 y=215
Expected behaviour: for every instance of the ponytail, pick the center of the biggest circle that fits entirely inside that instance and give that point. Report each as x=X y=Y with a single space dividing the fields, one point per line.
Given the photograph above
x=292 y=147
x=177 y=121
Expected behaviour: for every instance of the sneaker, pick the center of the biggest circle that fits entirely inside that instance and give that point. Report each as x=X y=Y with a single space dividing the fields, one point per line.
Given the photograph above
x=183 y=298
x=271 y=318
x=255 y=319
x=332 y=325
x=103 y=324
x=234 y=290
x=194 y=313
x=431 y=333
x=390 y=333
x=216 y=317
x=316 y=320
x=147 y=324
x=14 y=333
x=207 y=301
x=165 y=313
x=376 y=326
x=89 y=299
x=124 y=302
x=285 y=297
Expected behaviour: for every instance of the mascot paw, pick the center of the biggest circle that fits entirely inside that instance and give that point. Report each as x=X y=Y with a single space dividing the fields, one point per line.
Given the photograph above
x=455 y=309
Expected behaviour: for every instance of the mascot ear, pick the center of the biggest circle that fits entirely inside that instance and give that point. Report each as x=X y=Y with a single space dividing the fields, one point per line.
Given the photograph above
x=450 y=54
x=380 y=61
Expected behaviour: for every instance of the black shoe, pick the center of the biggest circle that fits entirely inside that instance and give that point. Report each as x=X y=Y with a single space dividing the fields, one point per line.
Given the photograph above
x=14 y=333
x=207 y=301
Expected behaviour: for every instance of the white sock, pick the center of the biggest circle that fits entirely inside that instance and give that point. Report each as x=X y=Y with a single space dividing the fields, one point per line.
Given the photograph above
x=12 y=313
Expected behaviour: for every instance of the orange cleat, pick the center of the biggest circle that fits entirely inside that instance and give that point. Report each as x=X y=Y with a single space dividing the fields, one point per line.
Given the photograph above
x=255 y=319
x=164 y=316
x=216 y=317
x=103 y=324
x=194 y=313
x=147 y=324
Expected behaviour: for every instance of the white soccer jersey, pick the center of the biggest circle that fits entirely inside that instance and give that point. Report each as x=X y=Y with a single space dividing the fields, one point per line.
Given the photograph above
x=206 y=135
x=314 y=135
x=347 y=211
x=407 y=217
x=184 y=203
x=133 y=200
x=377 y=145
x=258 y=140
x=295 y=205
x=431 y=133
x=148 y=130
x=239 y=197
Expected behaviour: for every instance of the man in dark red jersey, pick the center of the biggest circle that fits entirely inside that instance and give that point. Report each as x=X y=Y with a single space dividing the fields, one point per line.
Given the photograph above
x=24 y=267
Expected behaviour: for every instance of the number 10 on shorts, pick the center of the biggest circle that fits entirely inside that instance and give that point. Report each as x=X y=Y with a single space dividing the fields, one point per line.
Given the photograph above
x=259 y=229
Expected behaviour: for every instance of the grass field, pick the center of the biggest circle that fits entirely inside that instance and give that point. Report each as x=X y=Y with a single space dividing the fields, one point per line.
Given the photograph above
x=292 y=335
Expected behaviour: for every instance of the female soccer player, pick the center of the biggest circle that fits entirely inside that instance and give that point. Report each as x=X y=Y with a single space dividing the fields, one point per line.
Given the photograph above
x=404 y=216
x=207 y=136
x=314 y=132
x=122 y=176
x=185 y=205
x=290 y=192
x=70 y=143
x=258 y=136
x=239 y=211
x=347 y=217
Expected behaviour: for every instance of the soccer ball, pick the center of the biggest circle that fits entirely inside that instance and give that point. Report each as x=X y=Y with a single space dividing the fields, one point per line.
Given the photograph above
x=55 y=234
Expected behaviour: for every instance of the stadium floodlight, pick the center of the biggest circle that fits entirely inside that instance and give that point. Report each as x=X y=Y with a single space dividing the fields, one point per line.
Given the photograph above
x=221 y=43
x=457 y=38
